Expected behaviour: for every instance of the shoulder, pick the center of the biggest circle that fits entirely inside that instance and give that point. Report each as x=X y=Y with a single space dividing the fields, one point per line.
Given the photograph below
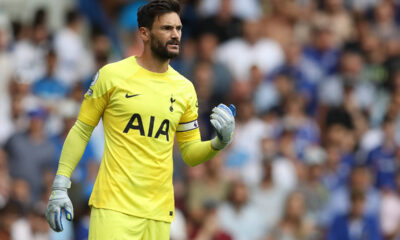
x=180 y=79
x=116 y=67
x=111 y=72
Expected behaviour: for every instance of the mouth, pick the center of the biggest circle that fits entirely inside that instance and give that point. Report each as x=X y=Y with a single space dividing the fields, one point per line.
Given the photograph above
x=174 y=44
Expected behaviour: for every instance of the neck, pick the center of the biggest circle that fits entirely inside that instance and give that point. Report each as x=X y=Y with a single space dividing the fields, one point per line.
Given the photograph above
x=355 y=216
x=266 y=183
x=237 y=207
x=151 y=62
x=36 y=136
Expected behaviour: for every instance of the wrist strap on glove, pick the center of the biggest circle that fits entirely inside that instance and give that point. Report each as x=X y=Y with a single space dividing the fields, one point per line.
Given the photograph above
x=61 y=183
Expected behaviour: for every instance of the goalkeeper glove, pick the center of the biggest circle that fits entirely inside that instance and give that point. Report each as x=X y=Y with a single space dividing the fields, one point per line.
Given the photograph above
x=223 y=121
x=58 y=202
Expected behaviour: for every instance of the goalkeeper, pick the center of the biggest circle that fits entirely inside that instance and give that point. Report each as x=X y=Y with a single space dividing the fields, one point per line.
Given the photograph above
x=144 y=103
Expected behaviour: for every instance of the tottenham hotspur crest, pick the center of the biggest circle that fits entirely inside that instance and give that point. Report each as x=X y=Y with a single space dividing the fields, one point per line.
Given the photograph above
x=171 y=108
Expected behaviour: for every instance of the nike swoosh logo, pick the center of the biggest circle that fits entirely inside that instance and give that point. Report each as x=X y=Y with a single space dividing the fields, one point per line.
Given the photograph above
x=129 y=96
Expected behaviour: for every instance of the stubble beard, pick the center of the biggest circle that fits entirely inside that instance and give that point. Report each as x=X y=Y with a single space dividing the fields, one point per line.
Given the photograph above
x=160 y=50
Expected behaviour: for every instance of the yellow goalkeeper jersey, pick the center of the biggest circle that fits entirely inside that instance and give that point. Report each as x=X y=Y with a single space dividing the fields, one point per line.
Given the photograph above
x=141 y=112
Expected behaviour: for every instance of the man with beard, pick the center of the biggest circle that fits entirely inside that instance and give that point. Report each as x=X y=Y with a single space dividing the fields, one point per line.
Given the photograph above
x=143 y=103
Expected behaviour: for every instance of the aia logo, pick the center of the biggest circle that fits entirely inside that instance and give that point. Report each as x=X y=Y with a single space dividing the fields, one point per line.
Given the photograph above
x=135 y=123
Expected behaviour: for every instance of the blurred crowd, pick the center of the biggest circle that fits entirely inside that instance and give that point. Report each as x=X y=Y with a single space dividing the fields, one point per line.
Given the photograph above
x=316 y=84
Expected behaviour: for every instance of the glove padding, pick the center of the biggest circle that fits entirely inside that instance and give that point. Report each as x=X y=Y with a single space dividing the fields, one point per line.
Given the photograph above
x=223 y=121
x=58 y=202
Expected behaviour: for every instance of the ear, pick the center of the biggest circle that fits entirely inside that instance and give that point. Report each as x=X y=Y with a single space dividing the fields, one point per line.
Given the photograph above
x=144 y=34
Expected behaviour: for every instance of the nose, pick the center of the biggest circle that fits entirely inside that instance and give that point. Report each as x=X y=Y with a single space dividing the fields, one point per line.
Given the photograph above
x=175 y=33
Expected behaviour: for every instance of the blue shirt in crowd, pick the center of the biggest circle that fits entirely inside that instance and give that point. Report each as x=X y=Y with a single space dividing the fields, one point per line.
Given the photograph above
x=382 y=161
x=343 y=228
x=49 y=88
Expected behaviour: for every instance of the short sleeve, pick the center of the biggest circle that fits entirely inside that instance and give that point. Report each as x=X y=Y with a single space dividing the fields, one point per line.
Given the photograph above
x=96 y=98
x=188 y=128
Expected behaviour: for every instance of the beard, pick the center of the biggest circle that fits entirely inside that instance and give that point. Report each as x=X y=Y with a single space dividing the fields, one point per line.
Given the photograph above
x=160 y=50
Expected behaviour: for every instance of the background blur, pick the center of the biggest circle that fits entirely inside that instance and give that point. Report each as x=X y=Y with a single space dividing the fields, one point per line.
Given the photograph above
x=317 y=89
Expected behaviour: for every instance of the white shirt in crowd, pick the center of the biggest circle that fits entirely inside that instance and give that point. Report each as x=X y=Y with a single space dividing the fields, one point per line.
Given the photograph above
x=239 y=56
x=74 y=61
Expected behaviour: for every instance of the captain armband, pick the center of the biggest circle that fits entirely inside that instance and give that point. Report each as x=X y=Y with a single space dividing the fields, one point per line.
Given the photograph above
x=188 y=126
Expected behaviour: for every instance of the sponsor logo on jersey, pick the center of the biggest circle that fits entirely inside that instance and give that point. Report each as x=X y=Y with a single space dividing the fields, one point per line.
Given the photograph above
x=135 y=123
x=129 y=96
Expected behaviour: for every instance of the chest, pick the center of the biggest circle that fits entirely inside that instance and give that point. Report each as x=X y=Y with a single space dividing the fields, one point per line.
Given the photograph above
x=147 y=102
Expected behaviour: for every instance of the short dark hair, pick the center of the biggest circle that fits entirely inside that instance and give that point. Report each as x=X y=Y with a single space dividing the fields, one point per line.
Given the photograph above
x=72 y=16
x=147 y=13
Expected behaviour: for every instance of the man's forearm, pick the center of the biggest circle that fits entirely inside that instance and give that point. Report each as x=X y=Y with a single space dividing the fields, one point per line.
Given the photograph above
x=74 y=147
x=196 y=152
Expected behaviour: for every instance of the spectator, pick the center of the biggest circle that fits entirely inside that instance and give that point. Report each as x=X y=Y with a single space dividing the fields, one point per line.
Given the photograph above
x=12 y=223
x=339 y=202
x=244 y=158
x=336 y=173
x=316 y=195
x=28 y=59
x=21 y=194
x=304 y=76
x=270 y=94
x=322 y=54
x=39 y=228
x=49 y=87
x=6 y=69
x=240 y=54
x=382 y=159
x=390 y=211
x=221 y=78
x=31 y=152
x=268 y=197
x=211 y=228
x=212 y=188
x=5 y=180
x=203 y=79
x=294 y=224
x=304 y=128
x=355 y=224
x=349 y=86
x=384 y=25
x=334 y=14
x=74 y=62
x=238 y=216
x=224 y=25
x=244 y=10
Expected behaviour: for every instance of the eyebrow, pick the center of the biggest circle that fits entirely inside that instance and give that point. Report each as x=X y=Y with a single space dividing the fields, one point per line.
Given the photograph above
x=170 y=25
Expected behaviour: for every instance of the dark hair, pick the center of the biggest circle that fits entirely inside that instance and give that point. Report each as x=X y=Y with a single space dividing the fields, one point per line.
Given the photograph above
x=40 y=17
x=388 y=119
x=71 y=16
x=147 y=13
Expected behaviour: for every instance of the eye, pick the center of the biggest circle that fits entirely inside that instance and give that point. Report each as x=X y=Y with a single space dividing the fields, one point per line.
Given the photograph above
x=167 y=27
